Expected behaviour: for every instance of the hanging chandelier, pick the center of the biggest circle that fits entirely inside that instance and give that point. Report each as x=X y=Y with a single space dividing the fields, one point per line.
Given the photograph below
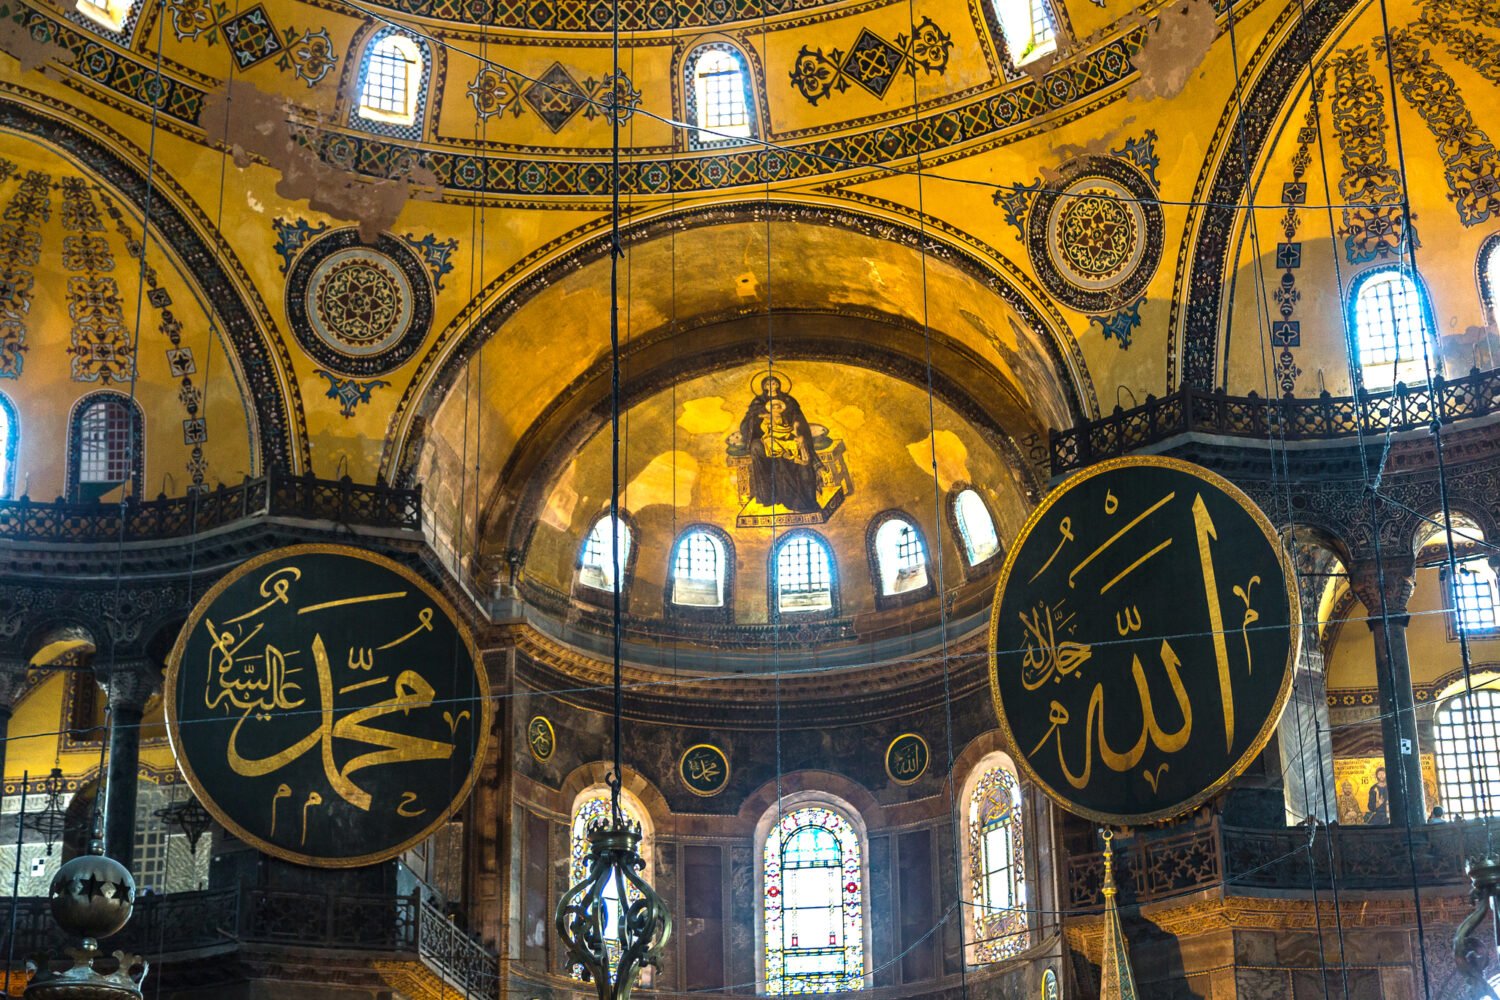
x=612 y=923
x=51 y=820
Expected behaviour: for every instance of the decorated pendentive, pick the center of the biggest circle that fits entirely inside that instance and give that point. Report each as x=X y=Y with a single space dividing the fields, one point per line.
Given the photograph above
x=327 y=705
x=704 y=769
x=541 y=738
x=1143 y=639
x=906 y=758
x=360 y=309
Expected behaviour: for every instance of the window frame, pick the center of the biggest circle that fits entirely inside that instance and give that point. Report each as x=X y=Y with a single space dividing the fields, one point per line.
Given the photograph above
x=1013 y=60
x=1452 y=600
x=977 y=931
x=770 y=821
x=10 y=447
x=597 y=596
x=1402 y=369
x=773 y=580
x=724 y=611
x=114 y=16
x=689 y=78
x=983 y=567
x=1489 y=281
x=884 y=600
x=401 y=126
x=1487 y=689
x=73 y=483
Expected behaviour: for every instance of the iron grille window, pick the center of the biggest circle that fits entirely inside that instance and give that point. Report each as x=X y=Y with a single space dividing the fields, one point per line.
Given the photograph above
x=1474 y=597
x=804 y=576
x=718 y=77
x=597 y=566
x=1043 y=32
x=1388 y=322
x=1467 y=734
x=388 y=74
x=976 y=527
x=698 y=557
x=104 y=442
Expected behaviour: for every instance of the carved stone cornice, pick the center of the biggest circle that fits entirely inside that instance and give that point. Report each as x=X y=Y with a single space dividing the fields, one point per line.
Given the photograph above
x=1384 y=587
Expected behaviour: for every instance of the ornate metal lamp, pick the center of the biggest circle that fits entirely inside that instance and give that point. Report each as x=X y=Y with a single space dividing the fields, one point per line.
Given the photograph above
x=1484 y=875
x=613 y=923
x=187 y=817
x=51 y=820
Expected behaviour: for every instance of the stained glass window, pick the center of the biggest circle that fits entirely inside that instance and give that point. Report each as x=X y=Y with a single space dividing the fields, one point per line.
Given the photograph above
x=1389 y=327
x=9 y=433
x=597 y=567
x=814 y=904
x=997 y=873
x=976 y=526
x=804 y=575
x=589 y=808
x=698 y=573
x=901 y=557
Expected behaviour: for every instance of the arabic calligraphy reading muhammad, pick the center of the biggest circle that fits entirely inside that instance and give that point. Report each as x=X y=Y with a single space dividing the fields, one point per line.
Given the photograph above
x=704 y=769
x=1142 y=639
x=326 y=706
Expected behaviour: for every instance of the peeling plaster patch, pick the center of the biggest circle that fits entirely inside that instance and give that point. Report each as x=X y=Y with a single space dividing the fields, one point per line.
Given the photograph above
x=1175 y=46
x=705 y=416
x=850 y=417
x=558 y=513
x=874 y=272
x=952 y=458
x=1100 y=145
x=31 y=52
x=254 y=123
x=669 y=479
x=255 y=203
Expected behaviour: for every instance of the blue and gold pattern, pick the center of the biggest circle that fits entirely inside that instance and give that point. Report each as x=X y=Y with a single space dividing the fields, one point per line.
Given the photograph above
x=101 y=346
x=194 y=19
x=251 y=37
x=349 y=392
x=20 y=251
x=357 y=309
x=1375 y=221
x=308 y=55
x=872 y=62
x=1286 y=332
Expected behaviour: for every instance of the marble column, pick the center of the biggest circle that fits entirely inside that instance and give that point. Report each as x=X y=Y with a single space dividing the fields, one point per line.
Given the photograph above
x=1303 y=736
x=1386 y=607
x=128 y=684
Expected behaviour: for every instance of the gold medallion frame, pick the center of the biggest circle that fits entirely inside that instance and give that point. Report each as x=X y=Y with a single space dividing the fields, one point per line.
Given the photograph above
x=887 y=761
x=722 y=756
x=1294 y=625
x=551 y=734
x=169 y=703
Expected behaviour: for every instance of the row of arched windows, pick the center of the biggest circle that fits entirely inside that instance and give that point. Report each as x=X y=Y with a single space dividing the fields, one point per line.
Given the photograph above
x=804 y=573
x=813 y=918
x=105 y=446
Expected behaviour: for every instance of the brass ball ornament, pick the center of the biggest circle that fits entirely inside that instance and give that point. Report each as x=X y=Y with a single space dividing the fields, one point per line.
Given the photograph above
x=92 y=896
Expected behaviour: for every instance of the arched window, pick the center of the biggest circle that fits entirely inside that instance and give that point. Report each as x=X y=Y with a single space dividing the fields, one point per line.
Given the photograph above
x=975 y=527
x=1390 y=326
x=1029 y=28
x=105 y=446
x=1466 y=732
x=814 y=903
x=717 y=86
x=1489 y=280
x=803 y=578
x=1475 y=597
x=110 y=14
x=900 y=557
x=699 y=570
x=591 y=805
x=10 y=437
x=996 y=853
x=393 y=81
x=596 y=565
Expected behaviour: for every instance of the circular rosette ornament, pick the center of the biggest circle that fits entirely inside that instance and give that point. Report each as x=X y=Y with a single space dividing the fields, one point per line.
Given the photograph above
x=1143 y=639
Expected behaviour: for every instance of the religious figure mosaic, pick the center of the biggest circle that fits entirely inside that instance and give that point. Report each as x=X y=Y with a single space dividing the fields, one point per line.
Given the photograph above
x=790 y=470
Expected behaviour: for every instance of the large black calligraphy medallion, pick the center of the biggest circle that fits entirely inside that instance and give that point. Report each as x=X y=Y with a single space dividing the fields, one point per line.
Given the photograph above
x=327 y=705
x=704 y=769
x=1142 y=640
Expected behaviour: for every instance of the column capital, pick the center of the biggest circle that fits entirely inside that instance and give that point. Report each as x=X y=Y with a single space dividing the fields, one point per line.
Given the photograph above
x=1399 y=576
x=128 y=683
x=13 y=670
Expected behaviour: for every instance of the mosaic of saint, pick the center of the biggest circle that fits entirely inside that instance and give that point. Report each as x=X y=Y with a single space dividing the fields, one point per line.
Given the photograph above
x=790 y=470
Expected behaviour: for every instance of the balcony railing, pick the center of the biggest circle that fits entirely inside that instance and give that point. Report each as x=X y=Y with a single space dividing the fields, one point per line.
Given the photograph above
x=342 y=501
x=182 y=923
x=1401 y=408
x=1150 y=868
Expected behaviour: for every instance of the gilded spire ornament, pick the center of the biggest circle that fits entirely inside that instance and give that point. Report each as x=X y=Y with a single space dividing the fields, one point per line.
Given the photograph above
x=1116 y=980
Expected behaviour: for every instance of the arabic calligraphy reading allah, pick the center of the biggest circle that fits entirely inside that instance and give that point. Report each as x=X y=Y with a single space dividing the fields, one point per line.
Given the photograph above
x=1053 y=653
x=249 y=674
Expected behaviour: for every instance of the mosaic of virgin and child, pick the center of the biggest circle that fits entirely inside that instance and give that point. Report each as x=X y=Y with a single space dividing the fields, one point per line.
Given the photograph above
x=782 y=448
